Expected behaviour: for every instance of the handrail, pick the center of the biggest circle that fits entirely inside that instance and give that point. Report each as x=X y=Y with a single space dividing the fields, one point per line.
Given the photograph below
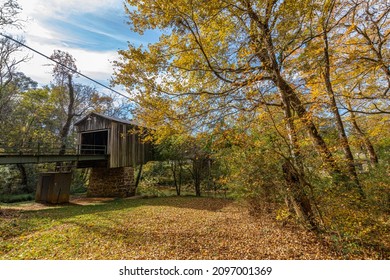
x=91 y=149
x=39 y=149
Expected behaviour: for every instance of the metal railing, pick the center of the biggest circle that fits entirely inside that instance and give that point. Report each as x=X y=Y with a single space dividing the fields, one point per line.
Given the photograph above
x=85 y=149
x=36 y=149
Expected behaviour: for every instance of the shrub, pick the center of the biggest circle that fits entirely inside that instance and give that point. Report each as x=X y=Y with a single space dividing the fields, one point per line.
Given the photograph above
x=12 y=198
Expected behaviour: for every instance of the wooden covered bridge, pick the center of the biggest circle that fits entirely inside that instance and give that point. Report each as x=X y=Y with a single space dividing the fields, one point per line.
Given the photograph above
x=111 y=147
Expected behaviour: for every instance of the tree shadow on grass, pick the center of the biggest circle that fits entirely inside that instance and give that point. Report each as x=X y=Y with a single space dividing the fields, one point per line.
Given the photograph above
x=72 y=209
x=16 y=223
x=8 y=214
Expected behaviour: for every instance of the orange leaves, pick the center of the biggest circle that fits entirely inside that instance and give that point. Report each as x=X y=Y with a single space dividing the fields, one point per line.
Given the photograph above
x=161 y=228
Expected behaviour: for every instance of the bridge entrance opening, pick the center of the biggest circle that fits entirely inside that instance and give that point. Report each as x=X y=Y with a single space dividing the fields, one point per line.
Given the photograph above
x=94 y=143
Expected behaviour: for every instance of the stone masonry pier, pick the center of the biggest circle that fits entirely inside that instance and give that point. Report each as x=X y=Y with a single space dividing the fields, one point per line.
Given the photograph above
x=111 y=182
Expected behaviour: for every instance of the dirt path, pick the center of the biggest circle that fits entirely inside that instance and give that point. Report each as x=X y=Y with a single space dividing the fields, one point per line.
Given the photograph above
x=32 y=205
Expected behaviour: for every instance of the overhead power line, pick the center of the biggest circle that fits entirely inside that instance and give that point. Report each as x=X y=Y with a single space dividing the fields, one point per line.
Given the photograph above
x=63 y=65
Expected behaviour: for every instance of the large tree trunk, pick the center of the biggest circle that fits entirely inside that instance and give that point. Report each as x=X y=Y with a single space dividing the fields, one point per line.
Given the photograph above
x=70 y=114
x=197 y=173
x=366 y=141
x=294 y=175
x=138 y=178
x=339 y=123
x=180 y=174
x=299 y=200
x=176 y=181
x=311 y=128
x=23 y=176
x=266 y=54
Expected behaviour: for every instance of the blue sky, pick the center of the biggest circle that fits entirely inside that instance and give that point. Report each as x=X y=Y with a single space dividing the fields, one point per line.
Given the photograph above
x=90 y=30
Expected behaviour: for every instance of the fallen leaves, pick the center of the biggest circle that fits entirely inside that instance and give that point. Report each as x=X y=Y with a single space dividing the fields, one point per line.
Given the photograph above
x=158 y=228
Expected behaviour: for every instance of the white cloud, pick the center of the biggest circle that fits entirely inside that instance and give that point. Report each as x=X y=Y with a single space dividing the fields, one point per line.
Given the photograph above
x=44 y=38
x=94 y=64
x=37 y=14
x=61 y=7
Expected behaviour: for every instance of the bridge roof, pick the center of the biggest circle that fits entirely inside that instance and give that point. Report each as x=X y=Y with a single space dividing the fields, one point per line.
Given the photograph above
x=108 y=118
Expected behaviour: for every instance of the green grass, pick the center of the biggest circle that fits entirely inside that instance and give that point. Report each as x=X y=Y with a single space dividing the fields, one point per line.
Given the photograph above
x=157 y=228
x=12 y=198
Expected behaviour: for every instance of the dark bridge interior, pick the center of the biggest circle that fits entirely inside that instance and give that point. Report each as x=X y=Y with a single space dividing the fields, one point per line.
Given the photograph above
x=94 y=143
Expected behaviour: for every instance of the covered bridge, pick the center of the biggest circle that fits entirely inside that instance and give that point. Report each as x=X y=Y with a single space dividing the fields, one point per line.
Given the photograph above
x=122 y=141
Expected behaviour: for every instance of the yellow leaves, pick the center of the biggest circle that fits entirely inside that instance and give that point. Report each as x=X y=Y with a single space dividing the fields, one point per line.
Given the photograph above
x=282 y=214
x=351 y=28
x=163 y=228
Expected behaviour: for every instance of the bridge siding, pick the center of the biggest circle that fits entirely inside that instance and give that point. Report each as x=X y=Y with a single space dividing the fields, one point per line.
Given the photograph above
x=124 y=144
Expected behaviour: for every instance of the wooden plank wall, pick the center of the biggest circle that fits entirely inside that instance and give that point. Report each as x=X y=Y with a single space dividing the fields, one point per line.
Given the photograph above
x=125 y=147
x=96 y=123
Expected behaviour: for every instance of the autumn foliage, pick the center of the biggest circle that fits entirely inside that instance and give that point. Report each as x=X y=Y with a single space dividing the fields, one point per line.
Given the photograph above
x=288 y=100
x=185 y=228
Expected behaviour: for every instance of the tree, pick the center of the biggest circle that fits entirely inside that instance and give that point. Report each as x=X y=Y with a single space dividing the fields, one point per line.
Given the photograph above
x=235 y=59
x=9 y=10
x=12 y=83
x=8 y=73
x=366 y=93
x=199 y=155
x=366 y=140
x=73 y=100
x=183 y=152
x=173 y=149
x=319 y=74
x=31 y=127
x=369 y=24
x=63 y=72
x=326 y=28
x=219 y=58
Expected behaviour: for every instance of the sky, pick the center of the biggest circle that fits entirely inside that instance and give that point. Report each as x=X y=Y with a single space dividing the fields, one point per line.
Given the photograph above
x=92 y=31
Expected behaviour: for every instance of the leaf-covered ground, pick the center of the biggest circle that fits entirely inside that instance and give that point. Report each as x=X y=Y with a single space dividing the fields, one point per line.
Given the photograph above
x=157 y=228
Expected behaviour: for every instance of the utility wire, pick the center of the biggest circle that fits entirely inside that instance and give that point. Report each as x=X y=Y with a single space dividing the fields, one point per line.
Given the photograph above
x=63 y=65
